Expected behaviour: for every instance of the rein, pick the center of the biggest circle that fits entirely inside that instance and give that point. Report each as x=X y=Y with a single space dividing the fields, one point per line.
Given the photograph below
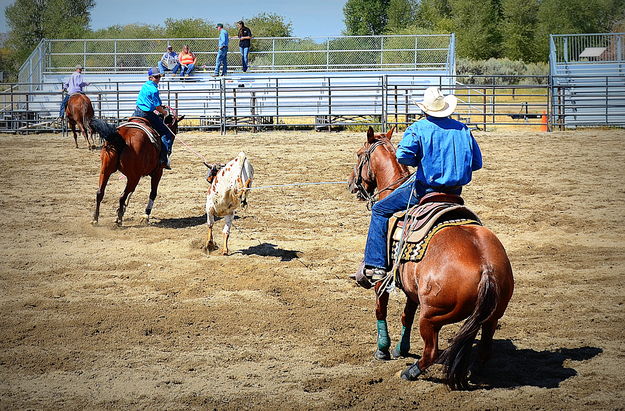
x=366 y=159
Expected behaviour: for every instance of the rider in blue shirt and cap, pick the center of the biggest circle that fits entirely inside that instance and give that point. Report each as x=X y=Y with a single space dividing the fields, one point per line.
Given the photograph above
x=445 y=154
x=147 y=102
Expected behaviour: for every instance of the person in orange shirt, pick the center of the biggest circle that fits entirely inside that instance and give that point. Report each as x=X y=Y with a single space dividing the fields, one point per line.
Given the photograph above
x=186 y=62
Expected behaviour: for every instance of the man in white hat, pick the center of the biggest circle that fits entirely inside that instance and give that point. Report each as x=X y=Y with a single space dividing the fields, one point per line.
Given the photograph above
x=445 y=154
x=74 y=85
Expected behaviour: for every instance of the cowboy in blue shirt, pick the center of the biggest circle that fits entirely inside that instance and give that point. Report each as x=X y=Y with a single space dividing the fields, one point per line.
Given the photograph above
x=445 y=154
x=149 y=100
x=222 y=52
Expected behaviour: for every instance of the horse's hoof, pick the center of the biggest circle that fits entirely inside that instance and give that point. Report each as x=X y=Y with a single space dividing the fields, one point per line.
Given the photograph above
x=396 y=353
x=382 y=355
x=94 y=222
x=145 y=219
x=411 y=373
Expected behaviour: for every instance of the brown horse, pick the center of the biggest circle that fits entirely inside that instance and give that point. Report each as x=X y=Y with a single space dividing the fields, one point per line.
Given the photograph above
x=465 y=274
x=79 y=111
x=130 y=151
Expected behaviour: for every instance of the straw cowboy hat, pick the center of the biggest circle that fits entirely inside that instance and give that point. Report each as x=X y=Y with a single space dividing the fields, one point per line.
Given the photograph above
x=435 y=104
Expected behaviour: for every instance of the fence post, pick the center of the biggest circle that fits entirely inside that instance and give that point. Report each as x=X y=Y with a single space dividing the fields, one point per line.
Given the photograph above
x=277 y=105
x=234 y=106
x=384 y=102
x=117 y=94
x=115 y=55
x=381 y=51
x=607 y=100
x=329 y=105
x=273 y=54
x=328 y=54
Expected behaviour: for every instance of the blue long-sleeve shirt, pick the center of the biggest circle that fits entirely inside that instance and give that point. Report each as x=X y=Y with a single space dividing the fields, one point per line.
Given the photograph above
x=75 y=83
x=148 y=98
x=223 y=38
x=443 y=149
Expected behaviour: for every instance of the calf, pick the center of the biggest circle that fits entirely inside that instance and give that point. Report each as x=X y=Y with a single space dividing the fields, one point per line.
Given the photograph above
x=228 y=191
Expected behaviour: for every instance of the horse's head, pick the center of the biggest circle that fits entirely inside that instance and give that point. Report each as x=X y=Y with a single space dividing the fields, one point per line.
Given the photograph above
x=172 y=120
x=362 y=180
x=213 y=169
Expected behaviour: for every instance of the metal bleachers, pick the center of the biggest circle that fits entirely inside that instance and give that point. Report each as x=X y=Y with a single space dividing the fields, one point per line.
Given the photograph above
x=588 y=91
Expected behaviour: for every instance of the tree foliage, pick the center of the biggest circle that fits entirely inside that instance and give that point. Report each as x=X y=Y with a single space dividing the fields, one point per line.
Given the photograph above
x=365 y=17
x=30 y=21
x=518 y=30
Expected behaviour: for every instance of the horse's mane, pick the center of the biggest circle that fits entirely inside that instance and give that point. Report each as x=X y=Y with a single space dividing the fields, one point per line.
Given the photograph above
x=108 y=132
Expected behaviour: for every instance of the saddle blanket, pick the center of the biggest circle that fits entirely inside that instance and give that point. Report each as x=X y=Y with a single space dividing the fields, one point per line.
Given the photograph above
x=414 y=252
x=143 y=125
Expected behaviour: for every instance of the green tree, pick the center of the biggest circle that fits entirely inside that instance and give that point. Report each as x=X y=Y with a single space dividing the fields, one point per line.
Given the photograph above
x=476 y=24
x=30 y=21
x=518 y=30
x=269 y=25
x=434 y=15
x=365 y=17
x=401 y=14
x=189 y=28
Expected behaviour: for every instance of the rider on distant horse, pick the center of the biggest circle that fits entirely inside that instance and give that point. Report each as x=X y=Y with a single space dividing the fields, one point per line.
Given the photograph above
x=72 y=86
x=149 y=100
x=445 y=153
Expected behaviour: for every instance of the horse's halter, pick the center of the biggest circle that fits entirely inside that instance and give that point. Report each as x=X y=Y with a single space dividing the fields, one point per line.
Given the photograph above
x=365 y=159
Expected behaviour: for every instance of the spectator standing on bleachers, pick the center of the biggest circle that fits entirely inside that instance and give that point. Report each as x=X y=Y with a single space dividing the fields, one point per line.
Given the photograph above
x=168 y=61
x=222 y=51
x=186 y=61
x=245 y=40
x=74 y=85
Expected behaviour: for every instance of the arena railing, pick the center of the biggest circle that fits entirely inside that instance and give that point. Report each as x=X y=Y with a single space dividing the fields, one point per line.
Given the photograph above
x=267 y=54
x=325 y=102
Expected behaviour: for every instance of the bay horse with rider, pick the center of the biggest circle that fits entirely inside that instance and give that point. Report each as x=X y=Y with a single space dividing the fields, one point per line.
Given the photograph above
x=465 y=272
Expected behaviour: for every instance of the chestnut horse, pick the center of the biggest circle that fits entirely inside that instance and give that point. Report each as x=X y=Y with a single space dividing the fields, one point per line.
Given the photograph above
x=79 y=111
x=465 y=274
x=130 y=151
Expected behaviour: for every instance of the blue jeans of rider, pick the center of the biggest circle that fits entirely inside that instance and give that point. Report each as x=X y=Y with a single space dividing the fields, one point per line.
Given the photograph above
x=222 y=60
x=63 y=105
x=245 y=54
x=167 y=137
x=398 y=200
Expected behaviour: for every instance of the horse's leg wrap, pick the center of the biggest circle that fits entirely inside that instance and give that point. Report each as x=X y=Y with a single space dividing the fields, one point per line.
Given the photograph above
x=403 y=346
x=411 y=373
x=384 y=341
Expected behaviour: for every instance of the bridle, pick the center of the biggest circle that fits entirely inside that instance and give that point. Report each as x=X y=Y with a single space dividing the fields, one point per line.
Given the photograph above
x=365 y=159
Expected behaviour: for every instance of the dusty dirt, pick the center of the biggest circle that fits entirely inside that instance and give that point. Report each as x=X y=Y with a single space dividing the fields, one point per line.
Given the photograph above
x=140 y=317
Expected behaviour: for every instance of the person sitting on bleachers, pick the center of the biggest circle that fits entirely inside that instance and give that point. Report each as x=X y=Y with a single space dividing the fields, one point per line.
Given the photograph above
x=186 y=61
x=168 y=61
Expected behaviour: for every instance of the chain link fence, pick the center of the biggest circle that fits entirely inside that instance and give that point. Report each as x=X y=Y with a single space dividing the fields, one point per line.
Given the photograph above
x=267 y=54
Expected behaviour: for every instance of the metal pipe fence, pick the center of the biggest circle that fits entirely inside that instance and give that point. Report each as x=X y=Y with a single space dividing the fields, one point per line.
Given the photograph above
x=326 y=102
x=267 y=54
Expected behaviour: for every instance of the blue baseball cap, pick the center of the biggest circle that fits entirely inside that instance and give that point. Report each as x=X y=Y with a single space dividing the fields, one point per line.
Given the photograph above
x=153 y=71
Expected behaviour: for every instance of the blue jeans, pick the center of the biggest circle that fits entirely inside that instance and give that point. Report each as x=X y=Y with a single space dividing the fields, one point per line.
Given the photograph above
x=63 y=105
x=398 y=200
x=186 y=70
x=162 y=68
x=222 y=60
x=245 y=53
x=167 y=137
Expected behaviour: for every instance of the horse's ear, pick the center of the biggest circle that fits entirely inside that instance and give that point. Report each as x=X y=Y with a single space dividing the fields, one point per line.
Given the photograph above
x=389 y=134
x=370 y=135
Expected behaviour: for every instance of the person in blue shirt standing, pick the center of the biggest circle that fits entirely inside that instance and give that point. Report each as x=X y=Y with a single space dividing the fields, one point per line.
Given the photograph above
x=222 y=51
x=445 y=154
x=148 y=101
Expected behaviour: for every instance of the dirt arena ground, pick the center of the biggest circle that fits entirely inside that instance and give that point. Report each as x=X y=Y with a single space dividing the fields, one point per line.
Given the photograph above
x=139 y=317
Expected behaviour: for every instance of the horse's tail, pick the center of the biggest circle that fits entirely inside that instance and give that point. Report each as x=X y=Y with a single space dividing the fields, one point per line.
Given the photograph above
x=108 y=132
x=457 y=357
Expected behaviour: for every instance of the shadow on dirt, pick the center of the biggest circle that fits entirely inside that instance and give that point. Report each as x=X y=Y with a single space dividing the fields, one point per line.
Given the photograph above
x=271 y=250
x=511 y=367
x=181 y=222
